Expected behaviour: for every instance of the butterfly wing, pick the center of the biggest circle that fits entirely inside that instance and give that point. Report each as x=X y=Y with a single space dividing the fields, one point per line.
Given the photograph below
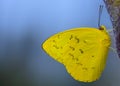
x=80 y=50
x=89 y=65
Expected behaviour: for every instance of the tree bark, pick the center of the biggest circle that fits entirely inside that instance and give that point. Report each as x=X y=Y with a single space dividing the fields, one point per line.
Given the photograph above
x=113 y=7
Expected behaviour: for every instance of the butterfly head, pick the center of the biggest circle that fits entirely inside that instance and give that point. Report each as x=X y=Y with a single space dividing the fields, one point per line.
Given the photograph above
x=106 y=40
x=102 y=28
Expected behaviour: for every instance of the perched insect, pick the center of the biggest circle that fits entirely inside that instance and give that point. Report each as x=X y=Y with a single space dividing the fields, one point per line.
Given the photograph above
x=83 y=51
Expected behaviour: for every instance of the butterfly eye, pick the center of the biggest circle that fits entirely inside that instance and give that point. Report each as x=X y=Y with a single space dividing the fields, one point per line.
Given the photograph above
x=101 y=28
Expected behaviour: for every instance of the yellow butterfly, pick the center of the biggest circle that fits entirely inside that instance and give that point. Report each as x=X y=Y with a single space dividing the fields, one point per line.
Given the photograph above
x=83 y=51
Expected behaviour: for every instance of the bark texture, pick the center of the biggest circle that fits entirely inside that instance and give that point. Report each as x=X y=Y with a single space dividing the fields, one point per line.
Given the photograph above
x=113 y=7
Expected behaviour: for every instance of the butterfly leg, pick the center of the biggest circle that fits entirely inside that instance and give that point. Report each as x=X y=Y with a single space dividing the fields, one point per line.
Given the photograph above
x=110 y=30
x=114 y=50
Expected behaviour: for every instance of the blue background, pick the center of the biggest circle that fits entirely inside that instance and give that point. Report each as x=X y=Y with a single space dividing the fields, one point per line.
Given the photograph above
x=25 y=24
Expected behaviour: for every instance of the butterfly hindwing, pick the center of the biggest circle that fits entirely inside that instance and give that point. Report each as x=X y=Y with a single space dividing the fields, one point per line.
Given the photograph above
x=89 y=67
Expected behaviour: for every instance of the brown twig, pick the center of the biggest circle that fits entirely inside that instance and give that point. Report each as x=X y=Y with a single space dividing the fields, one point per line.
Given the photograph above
x=113 y=8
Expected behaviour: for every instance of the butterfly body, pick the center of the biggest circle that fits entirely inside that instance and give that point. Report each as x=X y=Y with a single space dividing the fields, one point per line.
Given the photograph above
x=83 y=51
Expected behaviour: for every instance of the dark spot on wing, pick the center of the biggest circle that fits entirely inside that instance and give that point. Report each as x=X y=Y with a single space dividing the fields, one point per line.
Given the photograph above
x=71 y=55
x=93 y=67
x=71 y=37
x=58 y=36
x=62 y=60
x=84 y=68
x=92 y=56
x=61 y=47
x=54 y=41
x=81 y=51
x=79 y=63
x=72 y=48
x=78 y=40
x=56 y=46
x=77 y=59
x=96 y=79
x=85 y=41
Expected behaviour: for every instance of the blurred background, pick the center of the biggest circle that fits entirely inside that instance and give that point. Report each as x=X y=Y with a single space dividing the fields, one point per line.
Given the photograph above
x=26 y=24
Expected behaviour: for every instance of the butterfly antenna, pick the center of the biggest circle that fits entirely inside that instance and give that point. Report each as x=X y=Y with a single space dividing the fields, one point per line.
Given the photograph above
x=100 y=13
